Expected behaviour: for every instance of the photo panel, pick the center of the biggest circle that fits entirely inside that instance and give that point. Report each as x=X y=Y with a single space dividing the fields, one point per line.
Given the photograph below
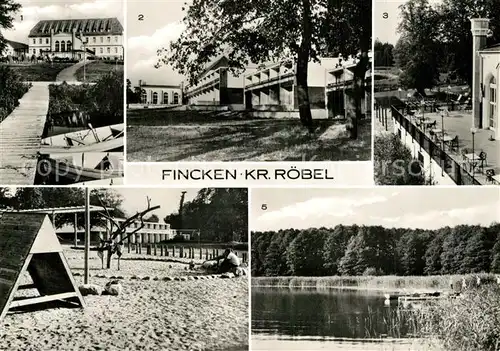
x=378 y=268
x=163 y=267
x=62 y=92
x=435 y=89
x=231 y=81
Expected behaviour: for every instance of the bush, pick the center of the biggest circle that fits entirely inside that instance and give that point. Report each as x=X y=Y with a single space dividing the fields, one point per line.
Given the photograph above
x=12 y=89
x=469 y=322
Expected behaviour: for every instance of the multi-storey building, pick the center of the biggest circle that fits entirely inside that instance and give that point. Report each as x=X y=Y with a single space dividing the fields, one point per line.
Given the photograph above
x=74 y=38
x=217 y=86
x=271 y=90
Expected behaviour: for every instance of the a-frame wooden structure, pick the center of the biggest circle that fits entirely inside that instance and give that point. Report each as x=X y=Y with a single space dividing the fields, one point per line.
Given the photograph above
x=28 y=243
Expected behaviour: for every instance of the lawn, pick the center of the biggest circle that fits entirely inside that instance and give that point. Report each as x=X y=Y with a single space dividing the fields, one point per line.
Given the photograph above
x=164 y=135
x=94 y=70
x=39 y=72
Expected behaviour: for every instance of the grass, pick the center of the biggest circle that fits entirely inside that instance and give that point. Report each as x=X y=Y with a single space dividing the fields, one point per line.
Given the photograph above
x=94 y=70
x=165 y=135
x=40 y=72
x=382 y=283
x=469 y=322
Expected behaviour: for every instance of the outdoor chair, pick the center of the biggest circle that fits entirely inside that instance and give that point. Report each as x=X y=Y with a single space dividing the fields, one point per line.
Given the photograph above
x=454 y=144
x=433 y=125
x=490 y=173
x=482 y=159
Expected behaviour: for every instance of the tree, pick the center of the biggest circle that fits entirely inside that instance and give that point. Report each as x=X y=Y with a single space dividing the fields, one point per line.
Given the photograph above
x=7 y=9
x=264 y=30
x=417 y=51
x=383 y=54
x=477 y=255
x=305 y=254
x=455 y=32
x=394 y=164
x=153 y=218
x=104 y=101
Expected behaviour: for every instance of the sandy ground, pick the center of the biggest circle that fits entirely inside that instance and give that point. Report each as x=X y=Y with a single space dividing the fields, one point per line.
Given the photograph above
x=208 y=314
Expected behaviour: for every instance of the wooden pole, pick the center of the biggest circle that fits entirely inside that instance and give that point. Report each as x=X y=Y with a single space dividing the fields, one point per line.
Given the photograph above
x=75 y=224
x=87 y=235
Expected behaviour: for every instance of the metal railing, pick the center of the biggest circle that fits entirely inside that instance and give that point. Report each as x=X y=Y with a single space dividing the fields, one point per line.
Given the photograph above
x=456 y=171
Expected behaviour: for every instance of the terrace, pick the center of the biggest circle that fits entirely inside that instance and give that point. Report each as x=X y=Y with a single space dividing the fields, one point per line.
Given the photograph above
x=467 y=155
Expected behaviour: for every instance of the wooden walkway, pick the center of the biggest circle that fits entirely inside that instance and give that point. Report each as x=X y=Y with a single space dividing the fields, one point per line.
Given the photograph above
x=20 y=137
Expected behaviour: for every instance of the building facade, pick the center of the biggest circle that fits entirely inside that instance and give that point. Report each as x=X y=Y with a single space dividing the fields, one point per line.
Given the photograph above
x=339 y=83
x=15 y=49
x=271 y=90
x=486 y=75
x=77 y=38
x=160 y=95
x=217 y=86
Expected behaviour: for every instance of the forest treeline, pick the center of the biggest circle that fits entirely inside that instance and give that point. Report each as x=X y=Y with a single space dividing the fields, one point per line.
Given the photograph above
x=375 y=250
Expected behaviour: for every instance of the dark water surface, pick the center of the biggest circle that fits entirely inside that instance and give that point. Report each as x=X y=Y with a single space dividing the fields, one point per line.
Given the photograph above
x=329 y=313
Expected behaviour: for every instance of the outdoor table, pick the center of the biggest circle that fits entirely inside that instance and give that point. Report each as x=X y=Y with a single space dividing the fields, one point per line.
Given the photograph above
x=426 y=122
x=496 y=178
x=469 y=158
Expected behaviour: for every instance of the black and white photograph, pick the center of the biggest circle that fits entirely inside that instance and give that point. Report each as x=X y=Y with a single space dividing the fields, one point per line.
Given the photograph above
x=379 y=269
x=61 y=92
x=249 y=81
x=124 y=269
x=437 y=67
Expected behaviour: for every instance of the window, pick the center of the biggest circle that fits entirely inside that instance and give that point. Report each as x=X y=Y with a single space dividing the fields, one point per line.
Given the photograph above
x=116 y=39
x=176 y=98
x=93 y=40
x=109 y=50
x=34 y=41
x=63 y=46
x=155 y=98
x=40 y=41
x=101 y=50
x=57 y=46
x=47 y=41
x=165 y=98
x=116 y=50
x=69 y=46
x=109 y=39
x=102 y=40
x=144 y=96
x=493 y=103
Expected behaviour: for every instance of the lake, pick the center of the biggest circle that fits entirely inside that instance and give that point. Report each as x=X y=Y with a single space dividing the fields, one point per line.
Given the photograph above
x=310 y=319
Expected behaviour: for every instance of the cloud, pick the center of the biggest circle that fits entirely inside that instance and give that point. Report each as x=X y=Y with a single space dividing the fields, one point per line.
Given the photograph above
x=160 y=38
x=315 y=209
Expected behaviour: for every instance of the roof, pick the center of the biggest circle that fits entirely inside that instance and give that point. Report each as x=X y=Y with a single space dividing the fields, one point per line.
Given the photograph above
x=492 y=49
x=17 y=45
x=56 y=210
x=160 y=86
x=88 y=26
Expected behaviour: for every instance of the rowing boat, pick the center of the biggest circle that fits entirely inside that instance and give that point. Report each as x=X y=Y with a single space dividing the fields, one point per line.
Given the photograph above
x=76 y=168
x=102 y=139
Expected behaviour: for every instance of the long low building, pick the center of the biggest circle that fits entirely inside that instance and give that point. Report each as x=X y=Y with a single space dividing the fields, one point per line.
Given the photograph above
x=160 y=95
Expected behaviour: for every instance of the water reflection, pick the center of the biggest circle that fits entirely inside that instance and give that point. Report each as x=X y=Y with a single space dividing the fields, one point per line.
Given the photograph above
x=325 y=314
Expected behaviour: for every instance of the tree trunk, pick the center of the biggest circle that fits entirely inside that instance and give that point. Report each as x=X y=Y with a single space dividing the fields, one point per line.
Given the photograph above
x=356 y=95
x=108 y=259
x=302 y=65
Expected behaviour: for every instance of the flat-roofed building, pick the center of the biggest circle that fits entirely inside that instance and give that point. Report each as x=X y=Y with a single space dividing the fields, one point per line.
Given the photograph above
x=74 y=38
x=339 y=83
x=160 y=95
x=15 y=49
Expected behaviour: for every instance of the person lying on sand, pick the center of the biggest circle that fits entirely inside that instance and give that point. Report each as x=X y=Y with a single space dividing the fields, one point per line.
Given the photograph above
x=230 y=261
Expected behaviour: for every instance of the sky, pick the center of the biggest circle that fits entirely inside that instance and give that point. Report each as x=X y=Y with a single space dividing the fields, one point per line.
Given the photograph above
x=407 y=207
x=33 y=11
x=386 y=28
x=161 y=23
x=134 y=199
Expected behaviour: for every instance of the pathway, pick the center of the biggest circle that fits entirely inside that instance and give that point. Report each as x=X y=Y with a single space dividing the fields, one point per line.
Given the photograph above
x=69 y=74
x=20 y=136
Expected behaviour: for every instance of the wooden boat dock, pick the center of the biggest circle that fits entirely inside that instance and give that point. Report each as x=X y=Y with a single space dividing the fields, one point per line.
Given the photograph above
x=20 y=137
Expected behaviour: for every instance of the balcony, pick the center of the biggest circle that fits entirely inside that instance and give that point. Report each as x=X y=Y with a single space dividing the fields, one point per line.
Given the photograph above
x=428 y=130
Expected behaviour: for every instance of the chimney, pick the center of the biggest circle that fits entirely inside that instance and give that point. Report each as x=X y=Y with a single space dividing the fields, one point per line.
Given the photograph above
x=479 y=28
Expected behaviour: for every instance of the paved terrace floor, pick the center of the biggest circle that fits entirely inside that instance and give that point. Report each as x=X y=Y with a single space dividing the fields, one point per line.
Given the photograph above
x=460 y=123
x=20 y=135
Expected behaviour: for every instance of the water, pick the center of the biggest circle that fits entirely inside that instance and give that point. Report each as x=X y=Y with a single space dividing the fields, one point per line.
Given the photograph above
x=325 y=315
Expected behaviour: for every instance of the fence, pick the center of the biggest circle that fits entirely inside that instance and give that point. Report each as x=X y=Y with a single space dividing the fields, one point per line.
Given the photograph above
x=175 y=251
x=452 y=168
